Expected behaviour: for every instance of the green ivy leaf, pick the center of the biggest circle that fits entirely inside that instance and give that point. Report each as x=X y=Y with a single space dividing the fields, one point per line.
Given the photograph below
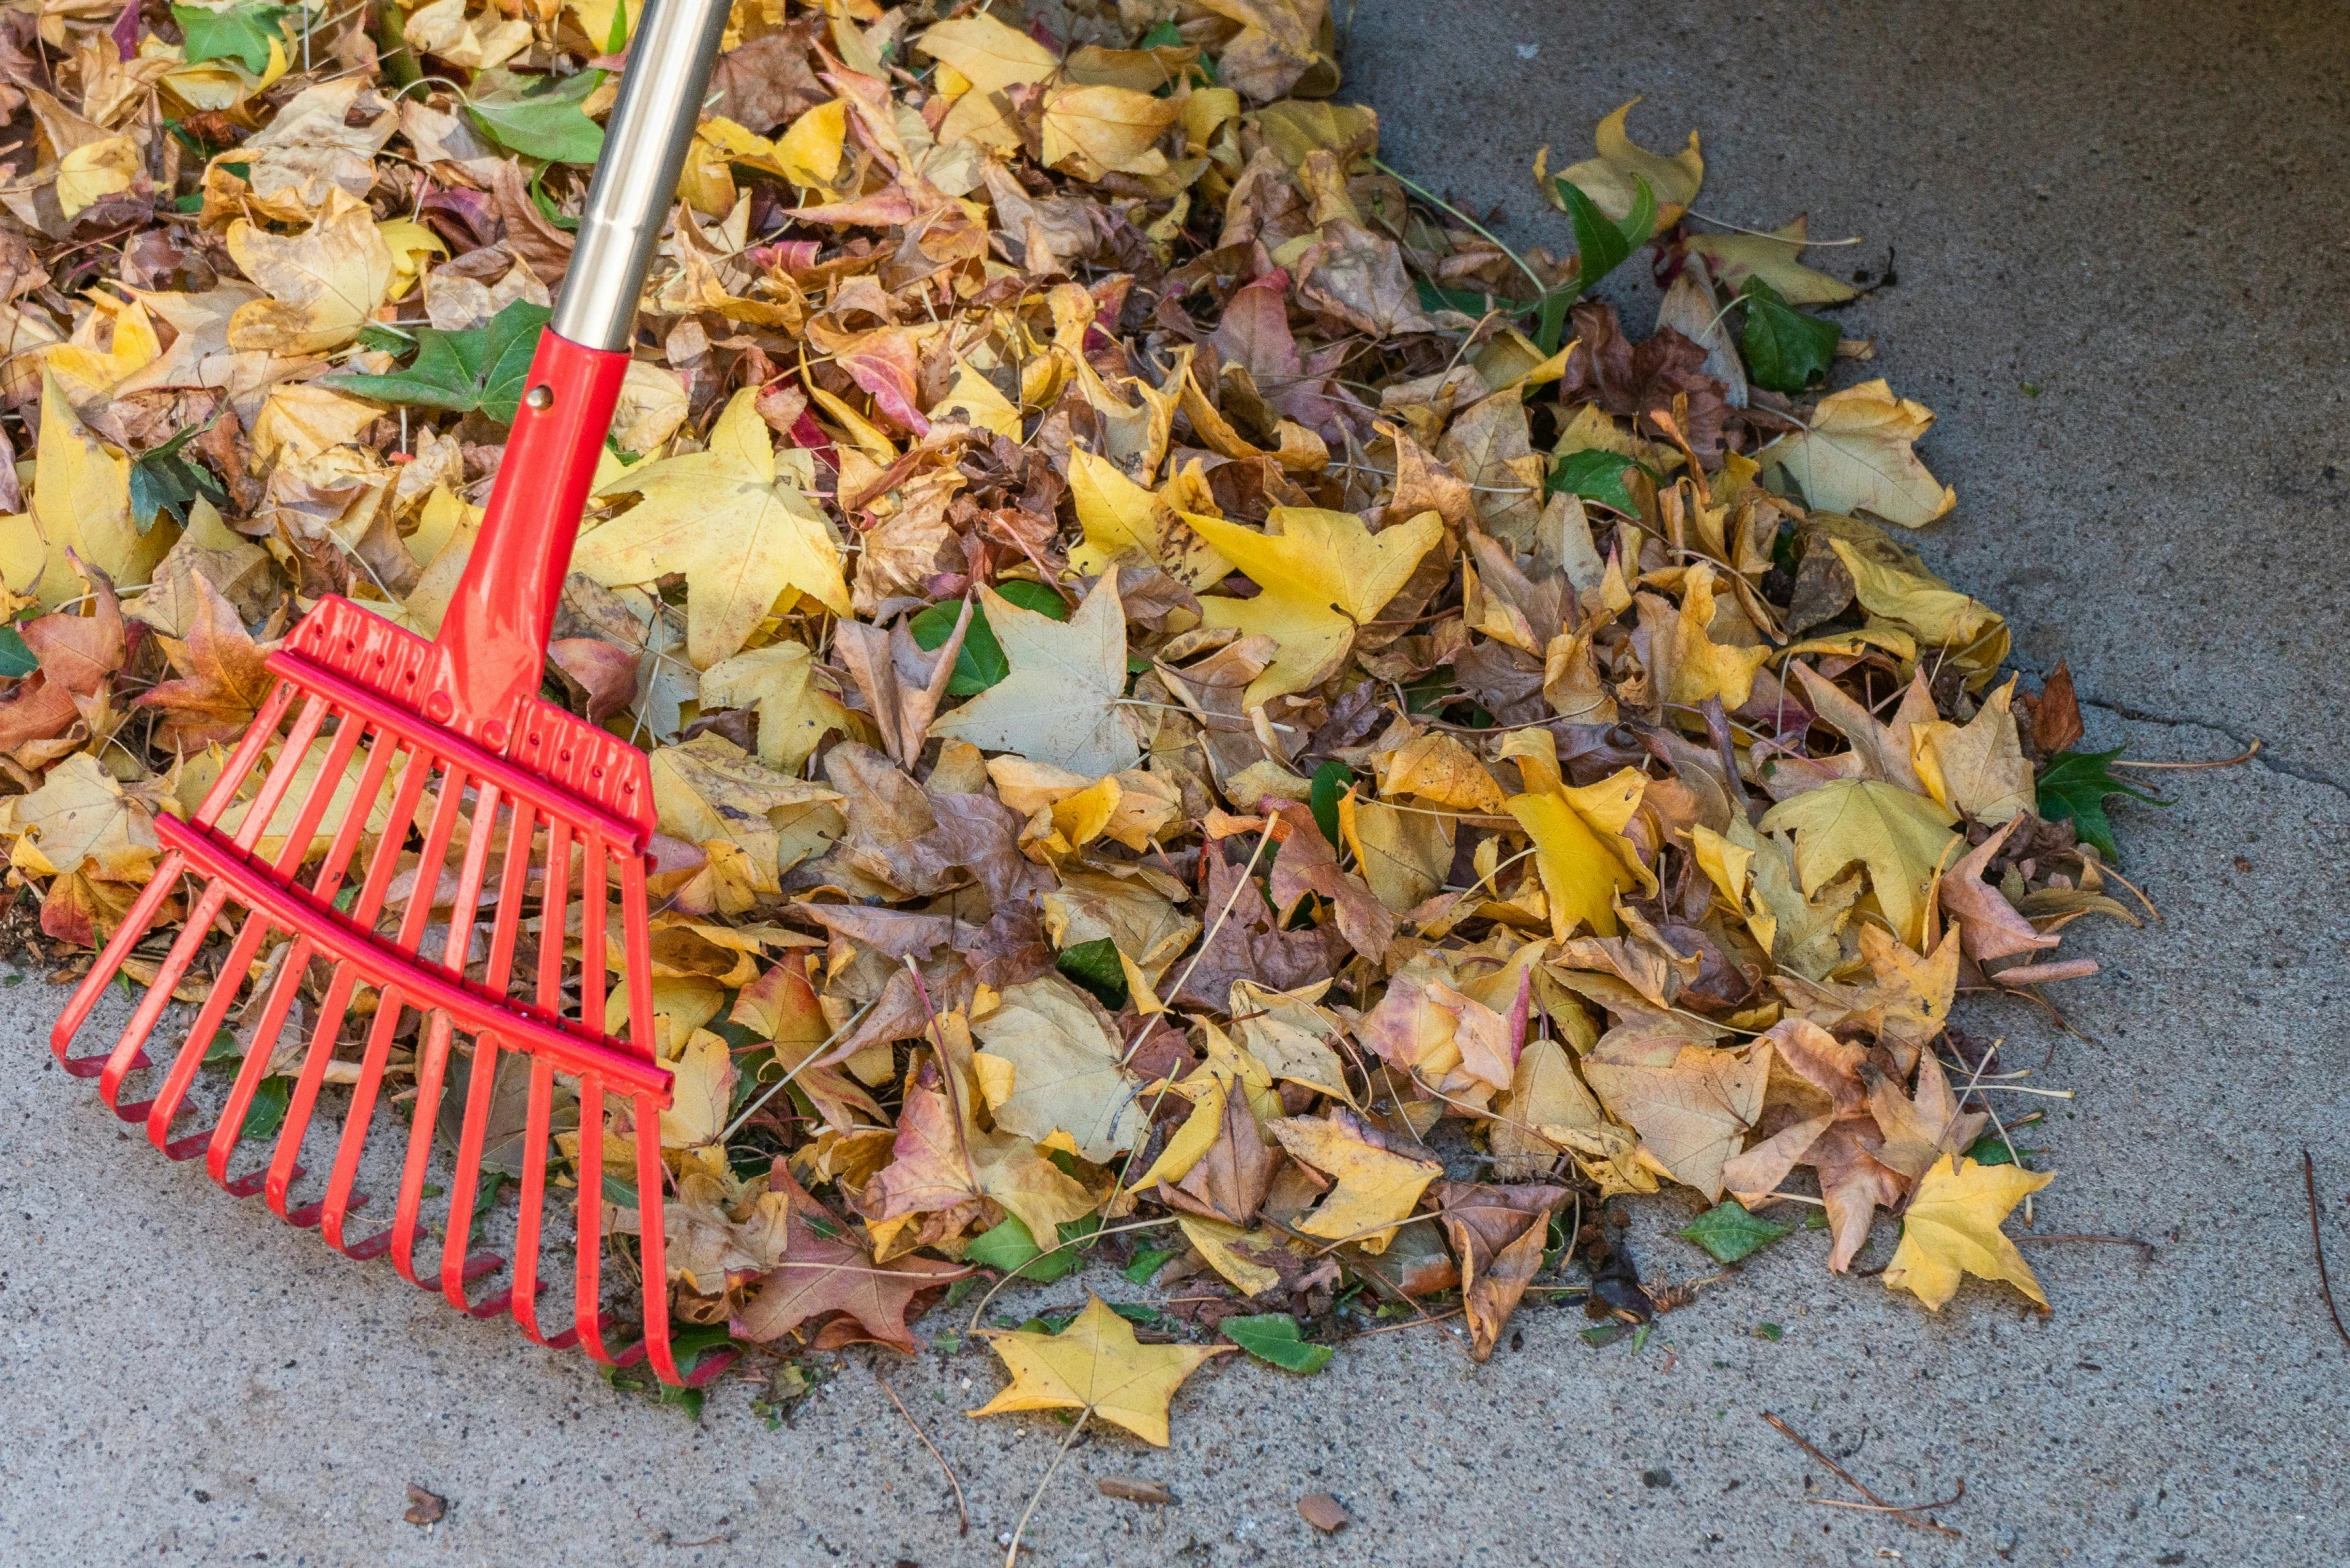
x=2074 y=788
x=544 y=121
x=267 y=1113
x=1146 y=1263
x=1330 y=785
x=1094 y=965
x=17 y=659
x=1729 y=1233
x=242 y=32
x=1991 y=1149
x=981 y=663
x=481 y=367
x=1595 y=476
x=1785 y=349
x=163 y=481
x=1275 y=1337
x=1010 y=1248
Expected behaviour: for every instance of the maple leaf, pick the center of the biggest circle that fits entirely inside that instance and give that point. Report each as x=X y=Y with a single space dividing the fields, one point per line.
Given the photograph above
x=1693 y=1104
x=324 y=284
x=735 y=521
x=1902 y=838
x=1613 y=178
x=1059 y=704
x=1951 y=1229
x=1069 y=1075
x=1774 y=258
x=1375 y=1190
x=824 y=1270
x=1978 y=768
x=1855 y=456
x=1578 y=833
x=226 y=677
x=1096 y=1365
x=795 y=714
x=1324 y=574
x=1123 y=521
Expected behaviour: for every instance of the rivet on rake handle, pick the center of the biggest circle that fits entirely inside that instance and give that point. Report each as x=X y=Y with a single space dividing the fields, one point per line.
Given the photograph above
x=375 y=733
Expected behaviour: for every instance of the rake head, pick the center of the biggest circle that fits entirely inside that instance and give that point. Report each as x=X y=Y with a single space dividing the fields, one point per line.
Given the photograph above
x=369 y=979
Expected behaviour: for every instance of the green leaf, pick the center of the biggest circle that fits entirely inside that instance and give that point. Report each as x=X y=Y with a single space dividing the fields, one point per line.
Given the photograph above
x=1602 y=245
x=1728 y=1232
x=163 y=481
x=981 y=663
x=1275 y=1337
x=2074 y=788
x=1095 y=966
x=544 y=122
x=16 y=659
x=1146 y=1263
x=1595 y=476
x=1770 y=1331
x=1164 y=36
x=1785 y=349
x=1468 y=302
x=1010 y=1248
x=1990 y=1149
x=242 y=32
x=268 y=1111
x=1330 y=785
x=481 y=367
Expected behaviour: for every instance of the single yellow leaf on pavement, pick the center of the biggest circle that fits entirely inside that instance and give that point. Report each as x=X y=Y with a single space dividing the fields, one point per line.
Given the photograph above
x=1609 y=178
x=1951 y=1228
x=731 y=519
x=1096 y=1365
x=1774 y=258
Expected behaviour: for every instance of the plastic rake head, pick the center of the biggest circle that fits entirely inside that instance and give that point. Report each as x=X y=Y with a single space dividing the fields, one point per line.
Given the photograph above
x=394 y=901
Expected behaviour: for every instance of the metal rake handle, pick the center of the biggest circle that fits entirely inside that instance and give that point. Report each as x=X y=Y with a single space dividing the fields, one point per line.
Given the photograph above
x=491 y=651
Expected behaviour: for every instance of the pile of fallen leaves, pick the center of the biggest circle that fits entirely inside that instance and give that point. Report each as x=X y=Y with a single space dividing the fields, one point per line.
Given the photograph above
x=1207 y=715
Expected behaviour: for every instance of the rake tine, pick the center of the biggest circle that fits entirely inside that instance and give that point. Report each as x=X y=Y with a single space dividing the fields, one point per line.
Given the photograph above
x=457 y=1236
x=126 y=936
x=337 y=1203
x=164 y=1109
x=282 y=1169
x=241 y=761
x=432 y=1056
x=651 y=1174
x=129 y=1052
x=524 y=1292
x=588 y=1288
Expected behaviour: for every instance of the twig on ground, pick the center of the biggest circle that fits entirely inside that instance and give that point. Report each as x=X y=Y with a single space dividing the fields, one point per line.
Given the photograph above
x=2145 y=1248
x=1906 y=1513
x=2317 y=1244
x=962 y=1508
x=2246 y=755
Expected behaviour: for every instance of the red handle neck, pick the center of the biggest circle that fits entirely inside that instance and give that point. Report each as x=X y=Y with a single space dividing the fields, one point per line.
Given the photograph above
x=493 y=643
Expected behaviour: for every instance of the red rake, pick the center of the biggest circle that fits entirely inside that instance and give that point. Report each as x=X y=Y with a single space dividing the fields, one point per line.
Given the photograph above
x=445 y=745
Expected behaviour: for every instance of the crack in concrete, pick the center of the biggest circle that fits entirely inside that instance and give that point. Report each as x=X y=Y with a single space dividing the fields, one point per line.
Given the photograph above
x=2265 y=759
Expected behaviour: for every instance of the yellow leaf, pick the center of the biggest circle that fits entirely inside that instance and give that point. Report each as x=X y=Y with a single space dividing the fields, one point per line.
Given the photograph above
x=974 y=399
x=1608 y=178
x=808 y=152
x=1093 y=130
x=709 y=790
x=1376 y=1190
x=1580 y=849
x=1900 y=837
x=302 y=419
x=1125 y=522
x=1856 y=456
x=1070 y=1078
x=1403 y=854
x=1060 y=703
x=1437 y=768
x=1692 y=1104
x=701 y=1091
x=1096 y=1365
x=82 y=819
x=325 y=283
x=95 y=170
x=1774 y=258
x=1937 y=614
x=1977 y=768
x=795 y=714
x=739 y=527
x=1951 y=1229
x=1323 y=574
x=1682 y=654
x=1191 y=1142
x=986 y=53
x=410 y=243
x=82 y=502
x=1218 y=1243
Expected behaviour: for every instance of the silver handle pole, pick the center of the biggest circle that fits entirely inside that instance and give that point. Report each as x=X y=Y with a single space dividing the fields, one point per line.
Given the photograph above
x=636 y=178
